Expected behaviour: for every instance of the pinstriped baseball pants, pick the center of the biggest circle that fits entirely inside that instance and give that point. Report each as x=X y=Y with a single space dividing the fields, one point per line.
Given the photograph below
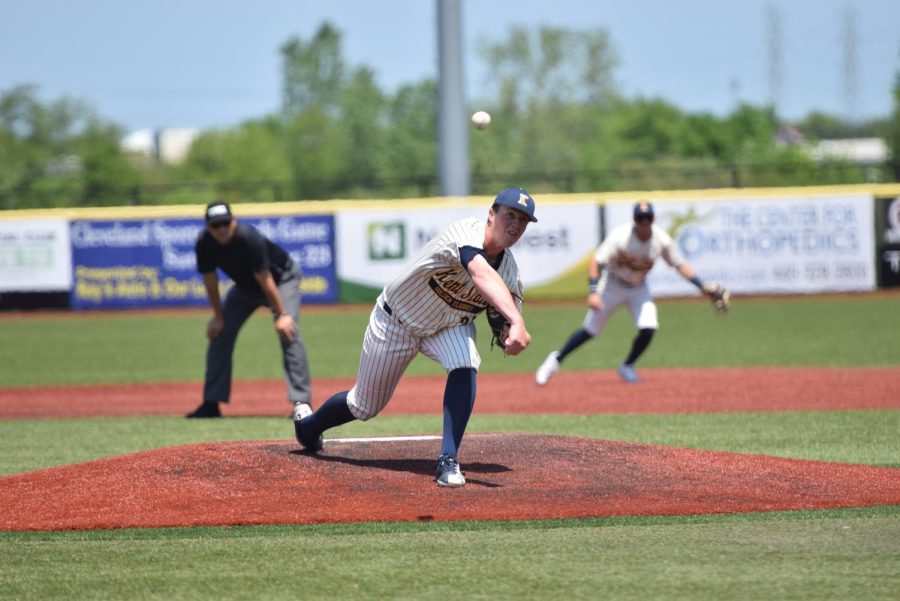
x=388 y=348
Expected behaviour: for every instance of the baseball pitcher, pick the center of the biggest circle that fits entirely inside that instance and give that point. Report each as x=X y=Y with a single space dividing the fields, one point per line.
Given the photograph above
x=430 y=308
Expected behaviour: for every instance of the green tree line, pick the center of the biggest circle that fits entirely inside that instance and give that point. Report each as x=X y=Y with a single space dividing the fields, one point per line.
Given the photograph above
x=559 y=125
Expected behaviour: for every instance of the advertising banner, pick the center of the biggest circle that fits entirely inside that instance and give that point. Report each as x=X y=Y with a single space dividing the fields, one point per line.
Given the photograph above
x=35 y=255
x=151 y=263
x=888 y=252
x=766 y=245
x=374 y=245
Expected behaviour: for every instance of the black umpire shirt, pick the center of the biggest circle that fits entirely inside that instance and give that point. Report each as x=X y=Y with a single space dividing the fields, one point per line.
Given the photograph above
x=247 y=253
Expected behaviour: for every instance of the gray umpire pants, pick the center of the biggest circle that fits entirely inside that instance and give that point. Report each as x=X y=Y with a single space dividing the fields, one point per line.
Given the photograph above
x=237 y=307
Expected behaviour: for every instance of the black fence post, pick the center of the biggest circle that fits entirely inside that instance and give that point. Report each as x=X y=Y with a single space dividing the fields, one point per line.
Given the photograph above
x=735 y=176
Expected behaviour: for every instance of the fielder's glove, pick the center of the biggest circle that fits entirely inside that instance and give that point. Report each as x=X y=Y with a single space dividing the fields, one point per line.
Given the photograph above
x=499 y=327
x=719 y=295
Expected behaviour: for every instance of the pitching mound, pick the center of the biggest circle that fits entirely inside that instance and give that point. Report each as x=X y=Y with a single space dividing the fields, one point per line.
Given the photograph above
x=510 y=477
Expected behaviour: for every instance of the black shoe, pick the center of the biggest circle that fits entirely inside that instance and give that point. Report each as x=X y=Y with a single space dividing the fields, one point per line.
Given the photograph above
x=310 y=445
x=206 y=409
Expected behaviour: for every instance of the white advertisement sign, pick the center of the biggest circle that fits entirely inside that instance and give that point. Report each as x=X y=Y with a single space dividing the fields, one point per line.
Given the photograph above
x=892 y=218
x=374 y=245
x=766 y=245
x=35 y=255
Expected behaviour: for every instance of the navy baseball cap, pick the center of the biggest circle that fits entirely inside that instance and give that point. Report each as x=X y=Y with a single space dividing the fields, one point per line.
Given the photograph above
x=643 y=210
x=218 y=211
x=517 y=198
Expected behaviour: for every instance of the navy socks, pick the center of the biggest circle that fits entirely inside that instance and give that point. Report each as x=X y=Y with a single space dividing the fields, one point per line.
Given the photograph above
x=330 y=415
x=578 y=337
x=640 y=344
x=459 y=399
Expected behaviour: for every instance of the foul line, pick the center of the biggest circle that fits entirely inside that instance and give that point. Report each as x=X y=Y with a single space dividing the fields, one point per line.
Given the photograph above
x=383 y=439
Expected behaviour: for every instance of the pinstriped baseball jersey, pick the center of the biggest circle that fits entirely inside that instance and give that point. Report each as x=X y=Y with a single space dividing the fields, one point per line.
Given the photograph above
x=630 y=259
x=436 y=290
x=429 y=308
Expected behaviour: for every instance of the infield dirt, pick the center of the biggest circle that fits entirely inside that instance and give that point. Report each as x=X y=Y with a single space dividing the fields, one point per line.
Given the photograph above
x=578 y=393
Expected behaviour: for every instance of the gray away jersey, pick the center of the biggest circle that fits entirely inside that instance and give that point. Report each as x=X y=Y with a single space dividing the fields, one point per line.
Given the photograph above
x=436 y=291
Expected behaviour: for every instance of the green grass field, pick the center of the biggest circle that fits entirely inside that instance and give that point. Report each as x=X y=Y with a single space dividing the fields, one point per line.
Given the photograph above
x=841 y=554
x=155 y=347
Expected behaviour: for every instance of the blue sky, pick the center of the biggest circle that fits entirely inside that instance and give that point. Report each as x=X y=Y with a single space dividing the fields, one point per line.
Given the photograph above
x=215 y=63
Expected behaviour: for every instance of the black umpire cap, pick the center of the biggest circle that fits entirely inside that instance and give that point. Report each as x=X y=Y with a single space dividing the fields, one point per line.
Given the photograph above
x=218 y=211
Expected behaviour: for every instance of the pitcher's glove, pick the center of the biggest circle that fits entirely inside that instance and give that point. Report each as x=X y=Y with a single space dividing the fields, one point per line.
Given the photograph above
x=719 y=295
x=499 y=327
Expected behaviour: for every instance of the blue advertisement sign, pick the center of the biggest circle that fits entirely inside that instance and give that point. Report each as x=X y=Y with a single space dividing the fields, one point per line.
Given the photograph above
x=151 y=263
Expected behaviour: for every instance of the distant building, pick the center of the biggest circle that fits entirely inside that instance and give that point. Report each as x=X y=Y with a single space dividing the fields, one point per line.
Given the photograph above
x=168 y=145
x=142 y=142
x=864 y=151
x=860 y=151
x=788 y=135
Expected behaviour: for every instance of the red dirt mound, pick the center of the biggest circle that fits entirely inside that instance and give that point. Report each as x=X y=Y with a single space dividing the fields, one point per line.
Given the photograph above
x=510 y=477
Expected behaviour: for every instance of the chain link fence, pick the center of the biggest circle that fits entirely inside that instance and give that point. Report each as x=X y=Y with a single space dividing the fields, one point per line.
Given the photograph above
x=638 y=178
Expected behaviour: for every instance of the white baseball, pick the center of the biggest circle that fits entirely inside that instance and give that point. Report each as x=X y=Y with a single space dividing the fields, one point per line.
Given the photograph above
x=481 y=119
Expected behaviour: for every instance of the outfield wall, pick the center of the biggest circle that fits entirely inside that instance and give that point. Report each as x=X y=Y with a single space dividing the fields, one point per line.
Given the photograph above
x=763 y=241
x=768 y=245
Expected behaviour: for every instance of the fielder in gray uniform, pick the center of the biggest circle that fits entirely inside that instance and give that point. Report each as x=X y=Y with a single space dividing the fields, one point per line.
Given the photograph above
x=617 y=276
x=263 y=275
x=430 y=308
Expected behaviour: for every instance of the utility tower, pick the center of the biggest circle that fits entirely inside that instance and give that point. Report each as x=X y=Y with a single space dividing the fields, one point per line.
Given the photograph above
x=850 y=70
x=774 y=55
x=453 y=132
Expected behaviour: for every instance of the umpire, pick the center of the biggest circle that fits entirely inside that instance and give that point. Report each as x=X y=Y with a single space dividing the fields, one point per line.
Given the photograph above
x=263 y=274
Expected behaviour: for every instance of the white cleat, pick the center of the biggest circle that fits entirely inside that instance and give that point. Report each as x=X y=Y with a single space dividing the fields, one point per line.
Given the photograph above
x=627 y=373
x=300 y=411
x=448 y=472
x=549 y=367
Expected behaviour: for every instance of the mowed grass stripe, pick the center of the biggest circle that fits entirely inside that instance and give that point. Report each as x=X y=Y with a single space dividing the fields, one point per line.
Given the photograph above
x=847 y=555
x=170 y=346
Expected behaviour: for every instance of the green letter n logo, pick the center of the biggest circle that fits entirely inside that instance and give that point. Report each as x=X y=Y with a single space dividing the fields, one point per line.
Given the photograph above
x=387 y=241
